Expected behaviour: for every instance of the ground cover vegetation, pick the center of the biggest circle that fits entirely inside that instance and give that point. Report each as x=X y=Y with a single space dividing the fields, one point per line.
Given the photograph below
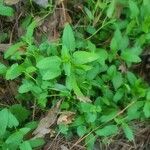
x=82 y=79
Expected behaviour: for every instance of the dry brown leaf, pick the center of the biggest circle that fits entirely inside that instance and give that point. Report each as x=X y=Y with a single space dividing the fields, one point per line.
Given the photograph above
x=46 y=122
x=4 y=47
x=66 y=117
x=11 y=2
x=123 y=68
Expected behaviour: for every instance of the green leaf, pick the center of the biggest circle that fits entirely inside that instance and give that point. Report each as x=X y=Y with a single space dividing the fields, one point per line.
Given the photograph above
x=107 y=130
x=131 y=78
x=49 y=63
x=3 y=121
x=146 y=109
x=17 y=137
x=103 y=55
x=7 y=119
x=30 y=69
x=111 y=71
x=26 y=86
x=118 y=95
x=107 y=117
x=89 y=13
x=63 y=129
x=12 y=121
x=116 y=40
x=83 y=57
x=81 y=130
x=68 y=39
x=148 y=95
x=130 y=56
x=88 y=107
x=90 y=117
x=117 y=80
x=111 y=9
x=13 y=49
x=25 y=146
x=29 y=34
x=50 y=74
x=49 y=67
x=20 y=112
x=6 y=11
x=36 y=142
x=13 y=72
x=66 y=60
x=3 y=69
x=133 y=111
x=31 y=125
x=89 y=141
x=133 y=9
x=72 y=83
x=128 y=132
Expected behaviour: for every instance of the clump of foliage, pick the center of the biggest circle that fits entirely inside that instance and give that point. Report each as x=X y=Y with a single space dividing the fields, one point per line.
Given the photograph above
x=12 y=134
x=91 y=74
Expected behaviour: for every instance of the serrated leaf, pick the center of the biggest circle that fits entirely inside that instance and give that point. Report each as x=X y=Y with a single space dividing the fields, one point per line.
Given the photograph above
x=146 y=109
x=90 y=117
x=66 y=60
x=13 y=72
x=103 y=55
x=87 y=107
x=73 y=85
x=148 y=95
x=12 y=121
x=118 y=95
x=108 y=117
x=117 y=80
x=49 y=63
x=20 y=112
x=116 y=40
x=107 y=130
x=89 y=13
x=130 y=56
x=7 y=119
x=81 y=130
x=3 y=121
x=49 y=67
x=17 y=137
x=68 y=38
x=25 y=146
x=26 y=87
x=133 y=111
x=111 y=71
x=133 y=8
x=50 y=74
x=3 y=69
x=6 y=11
x=111 y=9
x=13 y=49
x=90 y=140
x=83 y=57
x=30 y=69
x=131 y=78
x=128 y=132
x=36 y=142
x=30 y=30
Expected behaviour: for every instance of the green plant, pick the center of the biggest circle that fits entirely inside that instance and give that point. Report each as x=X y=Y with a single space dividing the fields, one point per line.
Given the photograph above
x=91 y=74
x=12 y=135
